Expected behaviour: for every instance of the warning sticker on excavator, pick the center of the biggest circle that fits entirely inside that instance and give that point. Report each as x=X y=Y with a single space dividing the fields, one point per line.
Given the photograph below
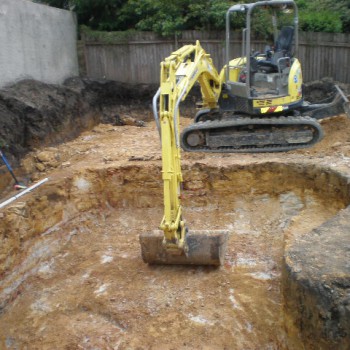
x=273 y=109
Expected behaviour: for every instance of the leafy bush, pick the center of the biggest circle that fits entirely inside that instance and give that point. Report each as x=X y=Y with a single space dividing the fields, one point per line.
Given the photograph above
x=110 y=37
x=169 y=17
x=323 y=21
x=324 y=15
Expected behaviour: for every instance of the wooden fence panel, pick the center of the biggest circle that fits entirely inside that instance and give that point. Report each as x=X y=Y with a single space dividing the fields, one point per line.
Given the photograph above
x=137 y=59
x=325 y=55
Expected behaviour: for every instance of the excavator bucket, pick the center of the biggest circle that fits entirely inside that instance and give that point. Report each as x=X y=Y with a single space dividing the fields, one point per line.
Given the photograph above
x=201 y=248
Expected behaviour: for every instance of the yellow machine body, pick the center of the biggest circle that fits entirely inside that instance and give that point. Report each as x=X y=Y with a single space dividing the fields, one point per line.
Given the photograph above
x=294 y=82
x=254 y=105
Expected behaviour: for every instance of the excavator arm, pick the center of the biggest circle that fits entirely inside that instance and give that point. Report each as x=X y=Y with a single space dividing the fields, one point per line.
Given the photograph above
x=174 y=243
x=179 y=73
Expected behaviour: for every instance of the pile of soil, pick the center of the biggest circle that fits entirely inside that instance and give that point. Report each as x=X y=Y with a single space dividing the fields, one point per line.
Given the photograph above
x=34 y=114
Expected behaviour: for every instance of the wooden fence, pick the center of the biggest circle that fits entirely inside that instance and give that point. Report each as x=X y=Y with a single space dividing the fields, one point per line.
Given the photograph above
x=137 y=58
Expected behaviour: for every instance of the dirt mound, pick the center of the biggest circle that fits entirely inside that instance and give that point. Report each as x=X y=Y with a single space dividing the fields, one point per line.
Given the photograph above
x=34 y=114
x=322 y=90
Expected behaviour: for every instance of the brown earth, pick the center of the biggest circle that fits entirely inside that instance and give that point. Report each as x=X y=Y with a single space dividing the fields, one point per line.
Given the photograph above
x=72 y=274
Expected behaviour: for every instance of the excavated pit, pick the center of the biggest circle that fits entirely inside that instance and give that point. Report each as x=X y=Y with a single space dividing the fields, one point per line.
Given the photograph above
x=73 y=277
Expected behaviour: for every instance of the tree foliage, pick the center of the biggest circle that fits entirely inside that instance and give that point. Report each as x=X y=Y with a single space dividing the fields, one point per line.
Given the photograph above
x=324 y=15
x=154 y=15
x=169 y=17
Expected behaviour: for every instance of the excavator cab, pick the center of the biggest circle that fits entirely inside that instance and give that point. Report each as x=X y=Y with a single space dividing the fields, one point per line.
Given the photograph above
x=269 y=74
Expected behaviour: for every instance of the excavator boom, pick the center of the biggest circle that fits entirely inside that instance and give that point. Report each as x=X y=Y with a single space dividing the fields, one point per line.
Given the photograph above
x=175 y=244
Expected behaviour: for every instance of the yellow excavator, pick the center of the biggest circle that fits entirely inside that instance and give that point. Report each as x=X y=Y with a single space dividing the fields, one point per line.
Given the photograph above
x=174 y=243
x=255 y=104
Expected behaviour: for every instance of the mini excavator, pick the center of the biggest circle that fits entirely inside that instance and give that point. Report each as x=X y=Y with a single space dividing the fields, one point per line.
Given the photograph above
x=255 y=104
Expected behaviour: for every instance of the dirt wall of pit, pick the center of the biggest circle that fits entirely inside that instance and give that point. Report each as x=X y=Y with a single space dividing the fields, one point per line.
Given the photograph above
x=316 y=286
x=35 y=114
x=140 y=187
x=27 y=229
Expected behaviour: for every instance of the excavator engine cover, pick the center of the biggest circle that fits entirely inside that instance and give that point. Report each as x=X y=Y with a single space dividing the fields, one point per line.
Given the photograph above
x=201 y=248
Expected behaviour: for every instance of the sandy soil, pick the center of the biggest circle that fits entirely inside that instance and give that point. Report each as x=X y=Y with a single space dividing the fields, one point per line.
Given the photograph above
x=91 y=290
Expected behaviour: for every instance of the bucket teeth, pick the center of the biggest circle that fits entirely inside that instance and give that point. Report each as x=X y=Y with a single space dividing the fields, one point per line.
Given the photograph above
x=203 y=247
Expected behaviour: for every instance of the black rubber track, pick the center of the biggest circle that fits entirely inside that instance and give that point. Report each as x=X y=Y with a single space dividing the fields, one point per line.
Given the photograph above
x=260 y=124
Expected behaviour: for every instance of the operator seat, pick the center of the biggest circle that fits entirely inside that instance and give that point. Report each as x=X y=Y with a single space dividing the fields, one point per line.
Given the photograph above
x=283 y=47
x=285 y=40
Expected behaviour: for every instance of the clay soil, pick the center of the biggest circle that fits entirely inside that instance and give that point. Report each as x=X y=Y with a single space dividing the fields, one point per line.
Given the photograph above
x=89 y=288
